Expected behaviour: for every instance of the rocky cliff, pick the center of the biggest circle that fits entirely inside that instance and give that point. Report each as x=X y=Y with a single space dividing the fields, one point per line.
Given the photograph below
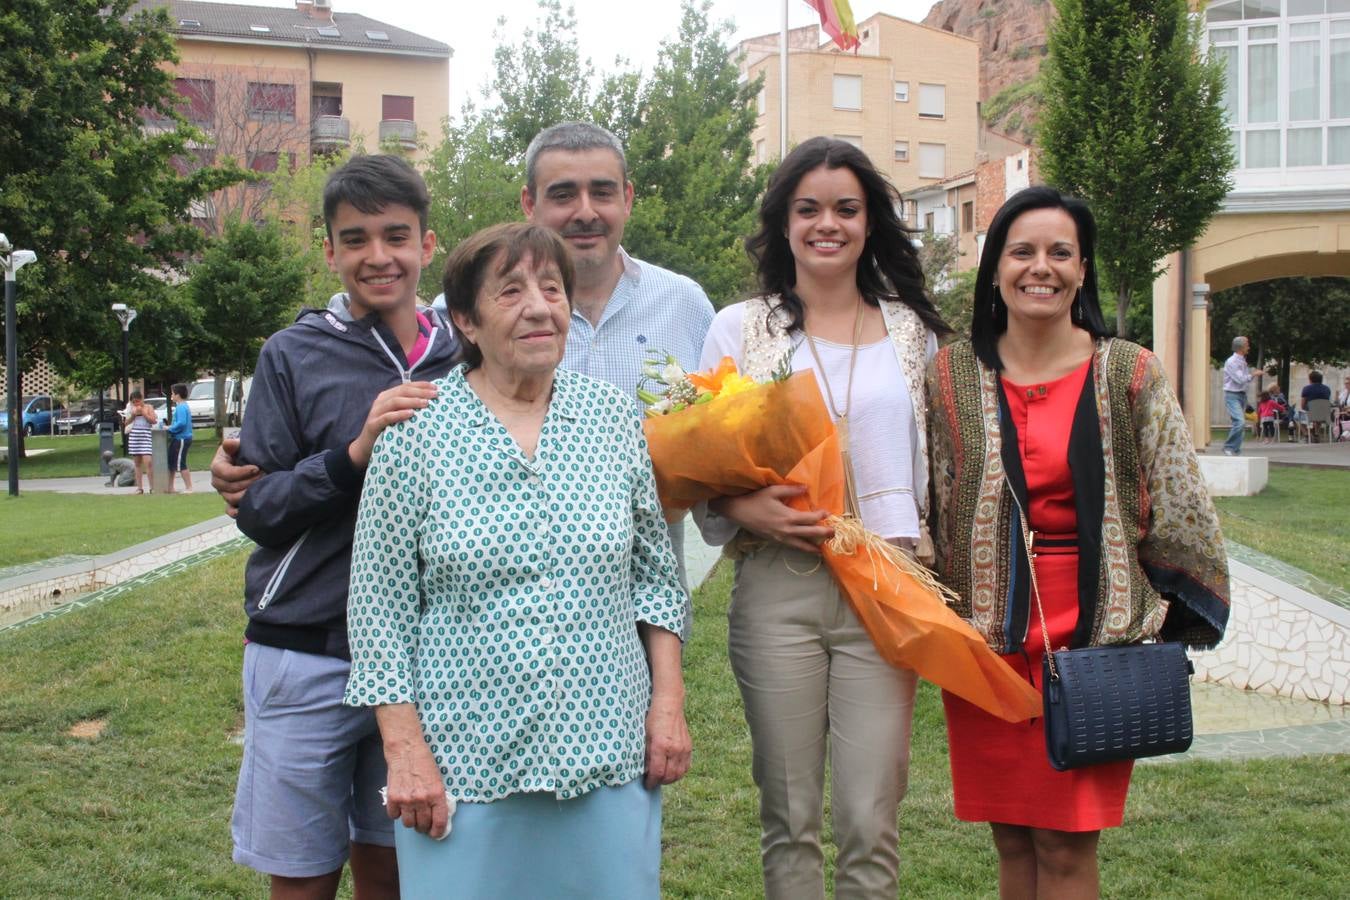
x=1012 y=36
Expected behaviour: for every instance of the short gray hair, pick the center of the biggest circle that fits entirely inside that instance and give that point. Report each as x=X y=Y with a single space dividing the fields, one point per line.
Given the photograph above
x=1239 y=342
x=574 y=137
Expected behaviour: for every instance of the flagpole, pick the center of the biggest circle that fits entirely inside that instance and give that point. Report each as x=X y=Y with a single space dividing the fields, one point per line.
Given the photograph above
x=783 y=85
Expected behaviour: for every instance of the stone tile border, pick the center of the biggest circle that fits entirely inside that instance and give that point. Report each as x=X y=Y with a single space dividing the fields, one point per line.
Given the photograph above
x=9 y=572
x=32 y=592
x=223 y=548
x=1282 y=638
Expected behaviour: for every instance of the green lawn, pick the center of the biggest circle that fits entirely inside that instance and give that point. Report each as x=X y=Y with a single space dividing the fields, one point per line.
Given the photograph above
x=143 y=810
x=1302 y=517
x=38 y=525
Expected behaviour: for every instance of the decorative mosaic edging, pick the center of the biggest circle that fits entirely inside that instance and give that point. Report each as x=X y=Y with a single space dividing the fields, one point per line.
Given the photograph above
x=165 y=571
x=50 y=585
x=1282 y=637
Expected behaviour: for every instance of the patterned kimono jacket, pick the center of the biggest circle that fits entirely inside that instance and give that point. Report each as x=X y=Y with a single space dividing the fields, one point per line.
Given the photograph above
x=1156 y=565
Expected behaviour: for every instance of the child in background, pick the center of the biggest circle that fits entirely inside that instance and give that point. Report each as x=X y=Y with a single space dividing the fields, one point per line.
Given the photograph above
x=140 y=417
x=180 y=438
x=1268 y=413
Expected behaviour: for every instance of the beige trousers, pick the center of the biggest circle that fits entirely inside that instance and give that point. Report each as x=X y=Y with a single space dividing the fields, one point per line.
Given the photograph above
x=811 y=679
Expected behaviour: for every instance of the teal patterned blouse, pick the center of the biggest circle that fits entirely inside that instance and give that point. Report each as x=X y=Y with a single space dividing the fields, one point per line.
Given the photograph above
x=501 y=594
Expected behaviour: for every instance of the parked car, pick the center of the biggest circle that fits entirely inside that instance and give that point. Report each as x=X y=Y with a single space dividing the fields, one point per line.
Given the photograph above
x=201 y=401
x=82 y=417
x=36 y=414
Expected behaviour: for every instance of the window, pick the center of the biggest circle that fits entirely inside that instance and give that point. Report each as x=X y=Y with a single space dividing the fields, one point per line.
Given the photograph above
x=263 y=161
x=902 y=151
x=193 y=159
x=199 y=99
x=968 y=216
x=329 y=31
x=848 y=92
x=1338 y=146
x=932 y=101
x=1263 y=75
x=377 y=35
x=1263 y=149
x=1305 y=70
x=393 y=107
x=260 y=29
x=759 y=102
x=1303 y=147
x=928 y=221
x=902 y=92
x=932 y=160
x=759 y=151
x=271 y=102
x=1339 y=85
x=854 y=139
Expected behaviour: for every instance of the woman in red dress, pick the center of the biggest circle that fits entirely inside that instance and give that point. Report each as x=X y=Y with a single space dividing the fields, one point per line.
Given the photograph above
x=1042 y=414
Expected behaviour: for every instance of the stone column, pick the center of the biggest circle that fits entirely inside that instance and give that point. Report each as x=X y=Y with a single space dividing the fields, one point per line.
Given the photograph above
x=1196 y=374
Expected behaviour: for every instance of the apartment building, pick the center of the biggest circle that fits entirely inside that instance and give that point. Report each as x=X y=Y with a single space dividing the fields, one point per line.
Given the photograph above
x=908 y=97
x=272 y=86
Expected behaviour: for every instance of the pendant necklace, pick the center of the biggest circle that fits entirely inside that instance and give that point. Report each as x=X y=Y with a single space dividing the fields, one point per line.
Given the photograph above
x=841 y=418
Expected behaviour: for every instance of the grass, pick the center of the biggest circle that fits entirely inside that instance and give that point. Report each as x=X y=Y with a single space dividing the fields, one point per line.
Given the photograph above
x=37 y=525
x=1300 y=518
x=143 y=810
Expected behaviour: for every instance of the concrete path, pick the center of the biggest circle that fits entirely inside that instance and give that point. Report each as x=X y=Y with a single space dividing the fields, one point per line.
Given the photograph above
x=1335 y=455
x=97 y=484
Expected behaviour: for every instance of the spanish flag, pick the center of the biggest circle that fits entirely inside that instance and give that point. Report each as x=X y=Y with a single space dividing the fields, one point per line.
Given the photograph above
x=837 y=19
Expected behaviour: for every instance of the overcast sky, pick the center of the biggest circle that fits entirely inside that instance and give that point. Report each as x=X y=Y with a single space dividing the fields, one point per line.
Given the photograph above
x=605 y=28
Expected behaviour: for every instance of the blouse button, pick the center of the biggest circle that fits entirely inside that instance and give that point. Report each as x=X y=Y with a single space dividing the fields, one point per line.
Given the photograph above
x=546 y=584
x=1041 y=390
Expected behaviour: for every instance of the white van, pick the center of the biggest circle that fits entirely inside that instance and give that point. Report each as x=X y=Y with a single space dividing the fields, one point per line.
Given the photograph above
x=201 y=401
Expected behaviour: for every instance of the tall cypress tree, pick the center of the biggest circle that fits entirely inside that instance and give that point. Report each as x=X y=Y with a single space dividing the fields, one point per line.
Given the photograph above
x=1133 y=123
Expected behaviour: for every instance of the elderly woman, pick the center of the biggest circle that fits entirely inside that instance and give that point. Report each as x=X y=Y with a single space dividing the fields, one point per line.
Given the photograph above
x=514 y=612
x=1042 y=420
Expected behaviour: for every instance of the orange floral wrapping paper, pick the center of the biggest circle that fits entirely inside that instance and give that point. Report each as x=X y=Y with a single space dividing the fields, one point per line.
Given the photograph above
x=780 y=433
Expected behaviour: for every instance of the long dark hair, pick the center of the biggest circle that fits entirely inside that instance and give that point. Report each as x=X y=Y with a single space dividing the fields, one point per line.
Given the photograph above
x=990 y=316
x=889 y=266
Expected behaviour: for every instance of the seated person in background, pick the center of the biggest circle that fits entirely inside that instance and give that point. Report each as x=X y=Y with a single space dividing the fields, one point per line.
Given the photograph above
x=1268 y=413
x=121 y=471
x=1314 y=390
x=1341 y=420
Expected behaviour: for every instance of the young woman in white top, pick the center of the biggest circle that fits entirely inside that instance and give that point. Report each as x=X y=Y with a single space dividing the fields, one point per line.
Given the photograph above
x=843 y=295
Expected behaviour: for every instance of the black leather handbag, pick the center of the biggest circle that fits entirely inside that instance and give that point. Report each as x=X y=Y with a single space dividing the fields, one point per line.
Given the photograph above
x=1104 y=704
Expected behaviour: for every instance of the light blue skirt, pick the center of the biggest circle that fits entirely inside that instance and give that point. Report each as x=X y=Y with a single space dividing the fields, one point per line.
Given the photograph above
x=604 y=845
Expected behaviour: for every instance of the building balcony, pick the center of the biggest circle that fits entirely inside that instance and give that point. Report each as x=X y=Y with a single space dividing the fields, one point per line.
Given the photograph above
x=330 y=132
x=399 y=131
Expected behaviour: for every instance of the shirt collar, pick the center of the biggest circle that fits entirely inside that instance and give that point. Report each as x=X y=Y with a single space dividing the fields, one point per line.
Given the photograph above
x=567 y=400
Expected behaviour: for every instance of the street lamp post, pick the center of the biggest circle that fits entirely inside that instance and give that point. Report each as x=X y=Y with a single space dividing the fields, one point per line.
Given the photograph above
x=12 y=261
x=126 y=316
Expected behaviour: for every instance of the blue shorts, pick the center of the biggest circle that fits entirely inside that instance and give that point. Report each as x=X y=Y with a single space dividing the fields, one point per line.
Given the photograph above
x=310 y=781
x=178 y=450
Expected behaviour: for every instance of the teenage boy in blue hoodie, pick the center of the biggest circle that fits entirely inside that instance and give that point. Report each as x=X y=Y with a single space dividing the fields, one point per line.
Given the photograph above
x=308 y=797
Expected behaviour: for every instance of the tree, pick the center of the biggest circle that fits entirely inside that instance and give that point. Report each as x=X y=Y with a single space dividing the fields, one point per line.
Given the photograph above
x=689 y=160
x=1133 y=122
x=244 y=288
x=1288 y=320
x=952 y=292
x=85 y=184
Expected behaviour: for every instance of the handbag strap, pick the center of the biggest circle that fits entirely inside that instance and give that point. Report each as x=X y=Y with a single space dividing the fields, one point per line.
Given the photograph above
x=1028 y=542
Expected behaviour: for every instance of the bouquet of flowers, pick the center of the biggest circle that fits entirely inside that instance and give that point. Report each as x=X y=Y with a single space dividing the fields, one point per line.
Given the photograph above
x=719 y=433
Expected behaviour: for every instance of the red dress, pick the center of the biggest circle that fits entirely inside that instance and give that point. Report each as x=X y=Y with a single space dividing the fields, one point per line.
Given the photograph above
x=1000 y=772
